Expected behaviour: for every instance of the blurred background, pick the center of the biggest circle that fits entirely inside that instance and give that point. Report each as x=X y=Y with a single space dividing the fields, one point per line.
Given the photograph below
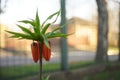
x=82 y=20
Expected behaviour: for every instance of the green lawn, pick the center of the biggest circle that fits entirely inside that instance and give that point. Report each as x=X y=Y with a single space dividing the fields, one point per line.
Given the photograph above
x=106 y=75
x=23 y=72
x=15 y=72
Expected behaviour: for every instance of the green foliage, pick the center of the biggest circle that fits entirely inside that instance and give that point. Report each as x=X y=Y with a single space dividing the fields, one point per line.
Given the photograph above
x=111 y=72
x=18 y=72
x=39 y=30
x=46 y=78
x=106 y=75
x=15 y=72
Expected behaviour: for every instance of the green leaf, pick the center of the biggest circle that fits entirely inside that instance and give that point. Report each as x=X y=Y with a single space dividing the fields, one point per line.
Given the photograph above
x=45 y=40
x=45 y=28
x=37 y=22
x=56 y=34
x=20 y=35
x=58 y=28
x=25 y=30
x=31 y=22
x=57 y=16
x=51 y=16
x=47 y=78
x=38 y=37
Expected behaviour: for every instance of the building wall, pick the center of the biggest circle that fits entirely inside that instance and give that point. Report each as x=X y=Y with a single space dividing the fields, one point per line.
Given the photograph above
x=84 y=37
x=12 y=43
x=2 y=36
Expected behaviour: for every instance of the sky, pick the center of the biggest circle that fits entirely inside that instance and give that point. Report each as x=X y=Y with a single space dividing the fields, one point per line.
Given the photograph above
x=23 y=9
x=17 y=10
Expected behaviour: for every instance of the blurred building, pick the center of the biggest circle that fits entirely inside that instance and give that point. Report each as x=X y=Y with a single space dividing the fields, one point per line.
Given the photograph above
x=2 y=36
x=84 y=36
x=85 y=33
x=11 y=43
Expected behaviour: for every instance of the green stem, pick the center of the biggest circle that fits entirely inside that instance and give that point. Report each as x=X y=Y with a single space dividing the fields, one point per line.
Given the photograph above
x=40 y=61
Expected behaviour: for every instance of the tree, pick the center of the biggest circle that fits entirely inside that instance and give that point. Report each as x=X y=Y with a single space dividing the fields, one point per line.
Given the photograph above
x=3 y=6
x=102 y=46
x=119 y=33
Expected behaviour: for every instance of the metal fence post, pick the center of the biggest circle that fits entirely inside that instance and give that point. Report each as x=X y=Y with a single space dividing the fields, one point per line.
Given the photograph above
x=64 y=50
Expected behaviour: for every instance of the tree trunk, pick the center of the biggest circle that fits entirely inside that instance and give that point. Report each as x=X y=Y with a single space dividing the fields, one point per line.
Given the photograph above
x=102 y=45
x=3 y=6
x=119 y=34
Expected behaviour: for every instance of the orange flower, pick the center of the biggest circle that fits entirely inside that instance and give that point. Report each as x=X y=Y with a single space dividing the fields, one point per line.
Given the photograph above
x=46 y=52
x=35 y=51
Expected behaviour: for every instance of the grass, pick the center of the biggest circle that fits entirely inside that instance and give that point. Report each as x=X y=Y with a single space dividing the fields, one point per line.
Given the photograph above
x=15 y=72
x=111 y=72
x=106 y=75
x=81 y=64
x=12 y=73
x=27 y=71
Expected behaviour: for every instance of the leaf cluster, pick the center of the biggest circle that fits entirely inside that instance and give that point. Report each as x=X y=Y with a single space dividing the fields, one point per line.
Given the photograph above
x=39 y=32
